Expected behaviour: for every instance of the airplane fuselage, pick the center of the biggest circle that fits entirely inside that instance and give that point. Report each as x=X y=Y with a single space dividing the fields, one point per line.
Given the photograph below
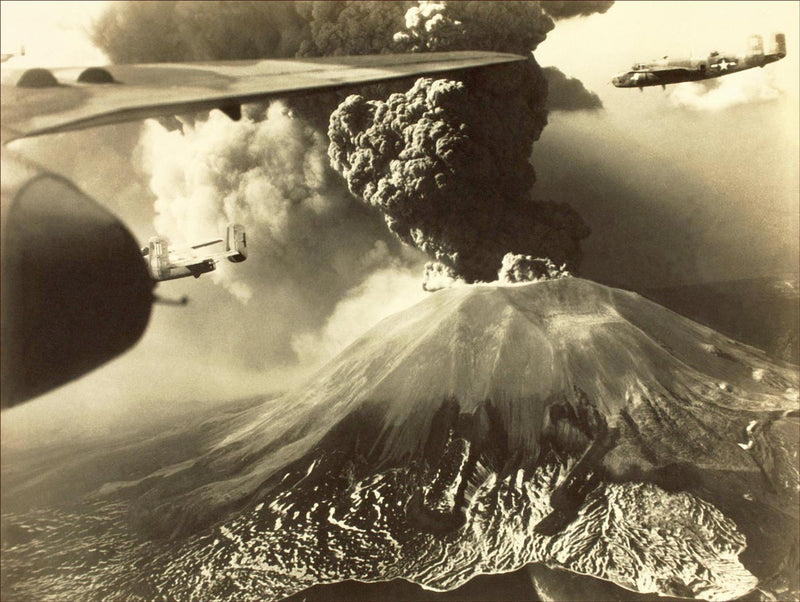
x=196 y=270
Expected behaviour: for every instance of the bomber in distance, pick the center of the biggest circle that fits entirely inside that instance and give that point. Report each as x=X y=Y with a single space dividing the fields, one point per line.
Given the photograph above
x=169 y=264
x=716 y=64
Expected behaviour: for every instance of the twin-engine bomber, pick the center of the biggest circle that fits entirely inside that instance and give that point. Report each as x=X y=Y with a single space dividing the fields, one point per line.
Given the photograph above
x=169 y=264
x=673 y=71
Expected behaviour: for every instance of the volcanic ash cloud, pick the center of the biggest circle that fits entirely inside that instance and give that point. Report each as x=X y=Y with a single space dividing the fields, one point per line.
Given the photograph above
x=447 y=166
x=311 y=243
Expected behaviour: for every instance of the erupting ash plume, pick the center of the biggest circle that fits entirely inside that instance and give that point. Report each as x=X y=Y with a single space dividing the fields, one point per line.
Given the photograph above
x=568 y=93
x=347 y=28
x=517 y=27
x=447 y=162
x=447 y=167
x=567 y=9
x=151 y=32
x=524 y=268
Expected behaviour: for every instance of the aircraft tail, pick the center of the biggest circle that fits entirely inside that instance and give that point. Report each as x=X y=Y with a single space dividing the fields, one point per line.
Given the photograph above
x=758 y=56
x=236 y=241
x=778 y=45
x=158 y=257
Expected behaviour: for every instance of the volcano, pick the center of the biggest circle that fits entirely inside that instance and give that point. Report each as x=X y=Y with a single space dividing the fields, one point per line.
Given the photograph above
x=562 y=424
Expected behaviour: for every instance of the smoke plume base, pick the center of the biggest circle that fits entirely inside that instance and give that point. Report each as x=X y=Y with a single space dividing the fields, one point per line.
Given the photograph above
x=524 y=268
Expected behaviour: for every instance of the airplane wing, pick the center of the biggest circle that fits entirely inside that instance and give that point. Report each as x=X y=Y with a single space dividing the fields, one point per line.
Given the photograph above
x=666 y=70
x=186 y=261
x=39 y=101
x=208 y=243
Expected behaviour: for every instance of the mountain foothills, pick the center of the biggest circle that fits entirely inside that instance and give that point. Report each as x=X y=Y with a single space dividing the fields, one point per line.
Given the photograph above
x=490 y=427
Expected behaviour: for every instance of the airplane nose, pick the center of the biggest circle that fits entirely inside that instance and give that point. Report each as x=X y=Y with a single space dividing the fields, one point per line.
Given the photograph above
x=621 y=80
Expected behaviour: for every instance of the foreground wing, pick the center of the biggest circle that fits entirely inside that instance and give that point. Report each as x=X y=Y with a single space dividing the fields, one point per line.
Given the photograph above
x=76 y=98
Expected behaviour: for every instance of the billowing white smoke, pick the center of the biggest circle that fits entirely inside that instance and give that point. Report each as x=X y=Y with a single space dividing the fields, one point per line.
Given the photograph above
x=754 y=85
x=269 y=175
x=310 y=243
x=385 y=292
x=428 y=27
x=520 y=269
x=438 y=276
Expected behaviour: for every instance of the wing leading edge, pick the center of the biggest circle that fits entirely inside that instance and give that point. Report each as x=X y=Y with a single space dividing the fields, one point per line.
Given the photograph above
x=668 y=70
x=60 y=100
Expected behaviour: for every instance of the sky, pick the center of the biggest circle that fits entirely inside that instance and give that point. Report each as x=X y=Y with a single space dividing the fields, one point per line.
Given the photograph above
x=708 y=173
x=712 y=168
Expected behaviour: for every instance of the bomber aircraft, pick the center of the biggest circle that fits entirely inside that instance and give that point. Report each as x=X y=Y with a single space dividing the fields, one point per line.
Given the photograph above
x=75 y=290
x=167 y=264
x=672 y=71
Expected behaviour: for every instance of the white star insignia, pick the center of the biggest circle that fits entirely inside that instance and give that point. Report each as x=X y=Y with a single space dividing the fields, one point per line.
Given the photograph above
x=724 y=64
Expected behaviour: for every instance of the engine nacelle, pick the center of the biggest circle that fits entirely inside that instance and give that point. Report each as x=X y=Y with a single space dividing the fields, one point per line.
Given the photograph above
x=778 y=45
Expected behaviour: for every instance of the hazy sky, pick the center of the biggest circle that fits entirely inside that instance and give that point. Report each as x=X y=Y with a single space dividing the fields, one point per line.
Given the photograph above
x=688 y=184
x=710 y=168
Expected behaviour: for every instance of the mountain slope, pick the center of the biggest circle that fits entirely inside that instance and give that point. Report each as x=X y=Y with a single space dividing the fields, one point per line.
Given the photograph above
x=484 y=429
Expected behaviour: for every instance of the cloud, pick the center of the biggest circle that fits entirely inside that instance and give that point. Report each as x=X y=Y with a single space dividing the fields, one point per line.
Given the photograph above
x=383 y=293
x=517 y=27
x=576 y=8
x=748 y=87
x=569 y=94
x=136 y=32
x=447 y=165
x=309 y=241
x=438 y=276
x=518 y=268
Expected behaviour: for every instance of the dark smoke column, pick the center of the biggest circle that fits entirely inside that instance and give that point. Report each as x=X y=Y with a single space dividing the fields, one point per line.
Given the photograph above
x=447 y=163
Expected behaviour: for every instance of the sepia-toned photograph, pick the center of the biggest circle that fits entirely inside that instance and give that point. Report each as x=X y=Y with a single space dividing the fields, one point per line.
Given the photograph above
x=442 y=301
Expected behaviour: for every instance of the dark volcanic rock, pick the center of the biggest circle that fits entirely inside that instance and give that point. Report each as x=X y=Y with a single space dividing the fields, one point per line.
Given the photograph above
x=511 y=587
x=561 y=423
